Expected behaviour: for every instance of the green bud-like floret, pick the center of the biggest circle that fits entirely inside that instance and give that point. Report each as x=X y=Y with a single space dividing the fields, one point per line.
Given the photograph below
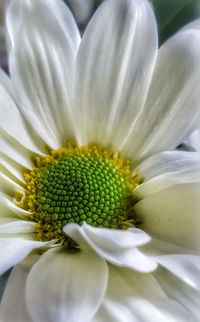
x=82 y=188
x=76 y=185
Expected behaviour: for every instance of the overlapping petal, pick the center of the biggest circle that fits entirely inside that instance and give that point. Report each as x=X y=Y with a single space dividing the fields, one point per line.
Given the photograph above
x=13 y=303
x=179 y=291
x=167 y=169
x=171 y=110
x=113 y=70
x=137 y=297
x=44 y=40
x=13 y=250
x=116 y=246
x=66 y=286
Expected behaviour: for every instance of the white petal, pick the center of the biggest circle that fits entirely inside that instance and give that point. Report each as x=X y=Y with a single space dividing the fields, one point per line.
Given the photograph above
x=184 y=263
x=167 y=169
x=115 y=62
x=64 y=286
x=8 y=186
x=8 y=208
x=193 y=142
x=192 y=25
x=134 y=297
x=18 y=226
x=13 y=304
x=172 y=214
x=11 y=169
x=44 y=41
x=14 y=128
x=185 y=267
x=116 y=246
x=13 y=250
x=180 y=292
x=171 y=111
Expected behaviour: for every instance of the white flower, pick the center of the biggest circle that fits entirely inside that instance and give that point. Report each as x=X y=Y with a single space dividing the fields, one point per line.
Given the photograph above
x=112 y=88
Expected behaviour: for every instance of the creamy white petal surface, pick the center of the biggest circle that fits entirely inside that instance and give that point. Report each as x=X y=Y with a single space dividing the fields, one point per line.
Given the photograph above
x=41 y=64
x=167 y=169
x=11 y=169
x=172 y=214
x=171 y=110
x=116 y=246
x=66 y=287
x=13 y=304
x=187 y=296
x=193 y=141
x=13 y=250
x=9 y=208
x=15 y=140
x=17 y=227
x=134 y=297
x=113 y=67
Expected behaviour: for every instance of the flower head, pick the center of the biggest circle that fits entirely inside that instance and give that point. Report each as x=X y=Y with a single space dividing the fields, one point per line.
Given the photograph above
x=98 y=216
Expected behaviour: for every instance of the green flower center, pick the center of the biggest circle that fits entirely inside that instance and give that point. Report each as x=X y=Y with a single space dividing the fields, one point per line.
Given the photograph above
x=74 y=185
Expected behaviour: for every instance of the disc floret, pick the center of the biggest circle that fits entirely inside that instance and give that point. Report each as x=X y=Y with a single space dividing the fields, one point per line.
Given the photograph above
x=77 y=184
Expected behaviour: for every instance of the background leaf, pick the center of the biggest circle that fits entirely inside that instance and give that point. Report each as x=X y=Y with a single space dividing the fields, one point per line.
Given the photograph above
x=173 y=14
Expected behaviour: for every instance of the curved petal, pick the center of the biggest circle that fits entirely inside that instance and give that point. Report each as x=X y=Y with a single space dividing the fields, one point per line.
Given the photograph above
x=44 y=40
x=9 y=209
x=116 y=246
x=185 y=267
x=171 y=110
x=114 y=65
x=13 y=304
x=8 y=186
x=192 y=25
x=11 y=169
x=18 y=226
x=64 y=286
x=180 y=292
x=172 y=214
x=13 y=250
x=193 y=141
x=182 y=262
x=13 y=126
x=167 y=169
x=137 y=297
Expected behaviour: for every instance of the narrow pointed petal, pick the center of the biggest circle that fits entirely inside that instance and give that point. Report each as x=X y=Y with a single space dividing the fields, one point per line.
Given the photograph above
x=18 y=226
x=13 y=250
x=167 y=169
x=171 y=110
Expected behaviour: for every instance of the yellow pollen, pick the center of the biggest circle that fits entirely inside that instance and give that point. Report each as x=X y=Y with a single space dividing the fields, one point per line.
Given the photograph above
x=79 y=184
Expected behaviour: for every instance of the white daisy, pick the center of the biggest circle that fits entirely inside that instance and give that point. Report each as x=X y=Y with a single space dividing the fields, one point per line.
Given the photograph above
x=69 y=206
